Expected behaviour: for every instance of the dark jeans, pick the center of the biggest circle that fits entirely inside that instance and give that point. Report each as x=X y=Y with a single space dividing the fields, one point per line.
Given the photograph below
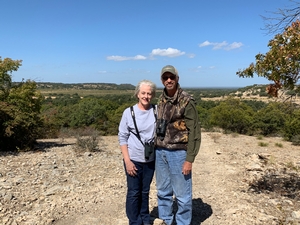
x=137 y=199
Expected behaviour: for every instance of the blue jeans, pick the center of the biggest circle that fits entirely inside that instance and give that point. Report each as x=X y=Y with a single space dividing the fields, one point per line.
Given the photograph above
x=137 y=198
x=170 y=181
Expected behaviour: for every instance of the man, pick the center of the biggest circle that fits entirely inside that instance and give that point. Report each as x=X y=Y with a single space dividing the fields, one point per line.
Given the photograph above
x=178 y=142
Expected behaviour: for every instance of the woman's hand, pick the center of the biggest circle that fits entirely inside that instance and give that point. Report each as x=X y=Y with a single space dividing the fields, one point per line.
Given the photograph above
x=130 y=168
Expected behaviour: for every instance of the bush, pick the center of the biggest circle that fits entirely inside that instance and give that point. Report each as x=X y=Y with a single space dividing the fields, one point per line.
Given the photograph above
x=87 y=140
x=271 y=119
x=232 y=115
x=280 y=145
x=263 y=144
x=20 y=106
x=20 y=118
x=291 y=128
x=97 y=112
x=295 y=140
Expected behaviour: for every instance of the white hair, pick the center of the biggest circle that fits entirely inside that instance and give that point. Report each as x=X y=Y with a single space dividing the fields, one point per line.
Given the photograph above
x=145 y=82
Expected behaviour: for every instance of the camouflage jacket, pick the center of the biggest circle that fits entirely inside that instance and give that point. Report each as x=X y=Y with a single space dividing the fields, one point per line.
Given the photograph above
x=178 y=135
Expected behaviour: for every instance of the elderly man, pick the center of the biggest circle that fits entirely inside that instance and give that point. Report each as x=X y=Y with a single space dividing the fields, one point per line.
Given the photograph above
x=178 y=142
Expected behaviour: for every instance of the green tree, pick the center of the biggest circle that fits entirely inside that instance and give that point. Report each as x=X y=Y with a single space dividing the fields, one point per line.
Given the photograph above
x=114 y=118
x=270 y=119
x=20 y=109
x=232 y=115
x=291 y=127
x=92 y=112
x=7 y=66
x=281 y=64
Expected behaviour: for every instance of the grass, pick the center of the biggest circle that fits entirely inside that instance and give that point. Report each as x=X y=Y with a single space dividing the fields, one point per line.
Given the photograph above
x=292 y=166
x=260 y=137
x=279 y=145
x=234 y=135
x=263 y=144
x=215 y=137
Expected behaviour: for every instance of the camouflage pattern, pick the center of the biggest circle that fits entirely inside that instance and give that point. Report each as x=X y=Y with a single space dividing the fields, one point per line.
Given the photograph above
x=176 y=136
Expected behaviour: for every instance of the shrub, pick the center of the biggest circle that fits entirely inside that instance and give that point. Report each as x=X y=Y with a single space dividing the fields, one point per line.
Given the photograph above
x=291 y=128
x=296 y=140
x=20 y=106
x=260 y=137
x=271 y=119
x=232 y=115
x=20 y=118
x=262 y=144
x=87 y=140
x=279 y=145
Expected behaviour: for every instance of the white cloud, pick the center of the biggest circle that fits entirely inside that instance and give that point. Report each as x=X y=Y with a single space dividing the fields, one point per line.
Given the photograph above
x=102 y=71
x=169 y=52
x=117 y=58
x=191 y=55
x=124 y=58
x=234 y=45
x=139 y=57
x=205 y=43
x=221 y=45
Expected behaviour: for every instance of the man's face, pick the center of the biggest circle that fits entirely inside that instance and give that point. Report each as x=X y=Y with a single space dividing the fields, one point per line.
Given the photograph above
x=169 y=80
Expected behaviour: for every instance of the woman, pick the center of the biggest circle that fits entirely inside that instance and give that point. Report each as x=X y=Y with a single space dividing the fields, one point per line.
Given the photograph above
x=136 y=134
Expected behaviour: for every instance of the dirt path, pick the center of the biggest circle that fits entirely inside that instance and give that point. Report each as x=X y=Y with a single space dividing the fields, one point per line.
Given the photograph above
x=58 y=186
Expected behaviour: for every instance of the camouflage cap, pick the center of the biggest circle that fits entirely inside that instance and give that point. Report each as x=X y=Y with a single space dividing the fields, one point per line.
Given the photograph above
x=170 y=69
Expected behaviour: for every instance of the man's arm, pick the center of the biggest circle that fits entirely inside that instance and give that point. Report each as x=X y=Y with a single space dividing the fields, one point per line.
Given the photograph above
x=194 y=136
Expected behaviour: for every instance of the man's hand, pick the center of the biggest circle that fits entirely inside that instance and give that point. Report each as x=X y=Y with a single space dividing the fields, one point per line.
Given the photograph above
x=187 y=168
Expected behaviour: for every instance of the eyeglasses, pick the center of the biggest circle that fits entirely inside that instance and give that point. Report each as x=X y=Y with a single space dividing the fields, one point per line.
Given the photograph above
x=172 y=77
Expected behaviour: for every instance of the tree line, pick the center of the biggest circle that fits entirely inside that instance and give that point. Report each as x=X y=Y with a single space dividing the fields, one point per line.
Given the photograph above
x=249 y=117
x=26 y=115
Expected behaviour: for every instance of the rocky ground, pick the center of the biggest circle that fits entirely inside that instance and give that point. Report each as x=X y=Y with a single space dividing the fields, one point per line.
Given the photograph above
x=236 y=180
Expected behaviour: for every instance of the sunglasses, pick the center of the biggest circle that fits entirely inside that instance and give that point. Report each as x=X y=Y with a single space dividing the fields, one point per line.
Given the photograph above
x=172 y=77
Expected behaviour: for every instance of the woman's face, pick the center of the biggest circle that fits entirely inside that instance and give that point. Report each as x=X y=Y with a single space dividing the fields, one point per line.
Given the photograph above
x=145 y=95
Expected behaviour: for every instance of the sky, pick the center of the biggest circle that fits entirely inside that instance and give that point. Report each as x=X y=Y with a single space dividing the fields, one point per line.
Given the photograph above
x=125 y=41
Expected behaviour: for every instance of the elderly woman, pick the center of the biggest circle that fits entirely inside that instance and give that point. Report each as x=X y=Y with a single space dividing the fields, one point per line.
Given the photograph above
x=136 y=137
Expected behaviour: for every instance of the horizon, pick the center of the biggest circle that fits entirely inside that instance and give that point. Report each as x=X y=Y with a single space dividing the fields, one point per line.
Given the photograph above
x=161 y=87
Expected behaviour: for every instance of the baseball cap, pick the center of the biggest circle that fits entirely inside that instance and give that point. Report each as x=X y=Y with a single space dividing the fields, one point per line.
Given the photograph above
x=170 y=69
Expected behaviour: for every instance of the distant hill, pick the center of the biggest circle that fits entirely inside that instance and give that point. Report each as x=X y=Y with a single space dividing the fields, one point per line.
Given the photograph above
x=86 y=86
x=253 y=92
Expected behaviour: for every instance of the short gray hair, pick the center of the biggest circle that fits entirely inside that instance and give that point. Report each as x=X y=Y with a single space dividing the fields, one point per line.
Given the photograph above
x=145 y=82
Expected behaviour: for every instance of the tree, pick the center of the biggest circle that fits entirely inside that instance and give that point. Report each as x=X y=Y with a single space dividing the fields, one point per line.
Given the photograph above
x=281 y=64
x=270 y=119
x=282 y=18
x=20 y=106
x=7 y=66
x=232 y=115
x=291 y=128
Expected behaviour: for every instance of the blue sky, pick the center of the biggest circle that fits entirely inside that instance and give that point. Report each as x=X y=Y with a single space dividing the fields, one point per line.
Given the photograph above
x=125 y=41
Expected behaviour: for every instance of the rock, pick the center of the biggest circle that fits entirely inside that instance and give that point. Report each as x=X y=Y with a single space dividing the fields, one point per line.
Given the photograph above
x=254 y=167
x=296 y=214
x=158 y=222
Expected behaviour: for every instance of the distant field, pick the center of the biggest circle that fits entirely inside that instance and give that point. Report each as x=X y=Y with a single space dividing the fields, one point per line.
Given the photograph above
x=86 y=92
x=248 y=93
x=83 y=92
